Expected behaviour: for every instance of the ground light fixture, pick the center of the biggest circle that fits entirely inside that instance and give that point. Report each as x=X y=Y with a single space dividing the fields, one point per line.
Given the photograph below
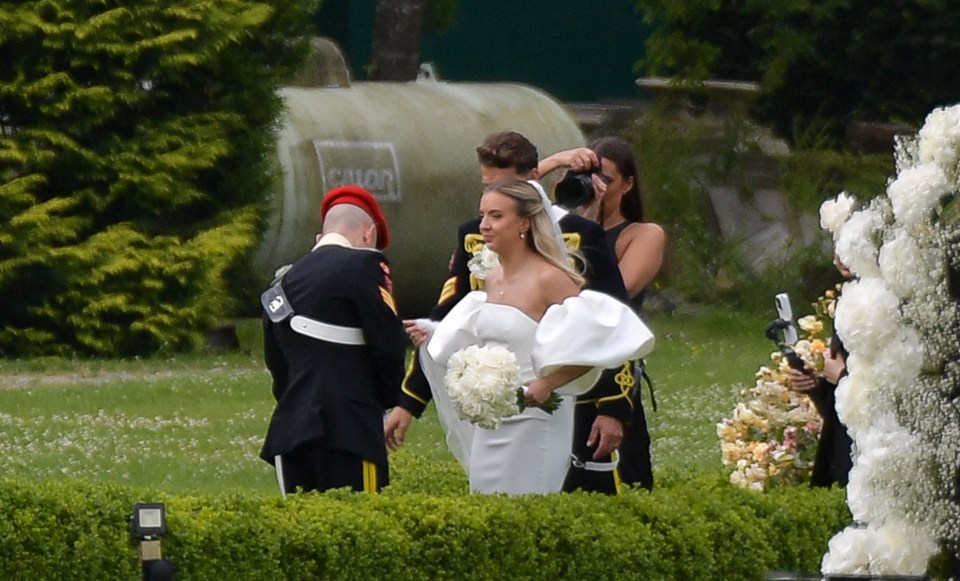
x=147 y=524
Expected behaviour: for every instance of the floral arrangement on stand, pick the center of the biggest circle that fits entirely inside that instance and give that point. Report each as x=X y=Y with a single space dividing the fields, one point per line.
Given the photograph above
x=771 y=438
x=900 y=321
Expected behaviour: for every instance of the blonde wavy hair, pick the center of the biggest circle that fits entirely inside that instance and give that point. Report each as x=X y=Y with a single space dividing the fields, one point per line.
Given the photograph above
x=542 y=238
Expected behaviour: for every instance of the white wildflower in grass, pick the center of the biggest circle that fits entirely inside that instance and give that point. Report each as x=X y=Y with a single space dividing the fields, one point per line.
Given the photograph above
x=833 y=213
x=481 y=263
x=917 y=192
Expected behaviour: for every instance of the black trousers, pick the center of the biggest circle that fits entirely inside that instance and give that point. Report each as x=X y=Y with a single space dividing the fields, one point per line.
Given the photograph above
x=634 y=465
x=313 y=467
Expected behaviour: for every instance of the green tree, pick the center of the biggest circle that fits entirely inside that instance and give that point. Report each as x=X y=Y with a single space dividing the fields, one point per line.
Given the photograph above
x=820 y=63
x=134 y=146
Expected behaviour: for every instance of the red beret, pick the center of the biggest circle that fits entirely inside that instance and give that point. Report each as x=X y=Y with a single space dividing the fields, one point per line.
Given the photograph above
x=357 y=196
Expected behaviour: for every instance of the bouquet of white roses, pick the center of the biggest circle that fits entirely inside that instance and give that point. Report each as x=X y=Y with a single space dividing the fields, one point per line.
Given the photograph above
x=484 y=385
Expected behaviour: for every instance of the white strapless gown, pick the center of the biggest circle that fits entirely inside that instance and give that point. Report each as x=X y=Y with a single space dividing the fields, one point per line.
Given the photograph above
x=530 y=452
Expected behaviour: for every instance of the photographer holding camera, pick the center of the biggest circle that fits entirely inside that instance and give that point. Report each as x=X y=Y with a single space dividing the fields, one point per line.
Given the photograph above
x=601 y=183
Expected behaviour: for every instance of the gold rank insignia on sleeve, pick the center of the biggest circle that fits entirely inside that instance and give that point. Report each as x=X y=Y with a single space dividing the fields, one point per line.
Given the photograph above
x=449 y=289
x=388 y=299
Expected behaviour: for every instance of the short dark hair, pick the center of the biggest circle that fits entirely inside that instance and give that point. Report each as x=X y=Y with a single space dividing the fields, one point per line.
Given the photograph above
x=508 y=149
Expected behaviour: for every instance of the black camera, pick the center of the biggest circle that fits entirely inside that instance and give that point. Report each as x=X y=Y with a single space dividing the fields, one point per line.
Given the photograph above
x=575 y=189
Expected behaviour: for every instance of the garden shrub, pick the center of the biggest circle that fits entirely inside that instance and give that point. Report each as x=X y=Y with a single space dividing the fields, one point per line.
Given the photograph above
x=701 y=528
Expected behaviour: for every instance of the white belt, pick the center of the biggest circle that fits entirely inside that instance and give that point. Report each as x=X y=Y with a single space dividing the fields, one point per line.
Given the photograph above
x=598 y=466
x=327 y=332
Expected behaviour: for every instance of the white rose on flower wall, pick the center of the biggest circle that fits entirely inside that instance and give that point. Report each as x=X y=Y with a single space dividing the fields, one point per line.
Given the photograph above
x=868 y=315
x=938 y=140
x=857 y=245
x=833 y=213
x=917 y=192
x=907 y=268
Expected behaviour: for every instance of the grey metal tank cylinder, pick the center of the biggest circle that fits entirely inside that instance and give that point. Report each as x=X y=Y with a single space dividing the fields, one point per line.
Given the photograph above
x=414 y=146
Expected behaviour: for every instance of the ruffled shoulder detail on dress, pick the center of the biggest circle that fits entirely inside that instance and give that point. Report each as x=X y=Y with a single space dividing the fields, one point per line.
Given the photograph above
x=458 y=329
x=590 y=329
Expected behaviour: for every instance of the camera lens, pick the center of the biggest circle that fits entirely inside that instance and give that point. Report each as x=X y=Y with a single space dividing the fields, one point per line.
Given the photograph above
x=575 y=189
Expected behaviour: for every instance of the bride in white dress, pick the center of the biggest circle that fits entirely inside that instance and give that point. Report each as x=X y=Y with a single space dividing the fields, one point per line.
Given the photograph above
x=562 y=339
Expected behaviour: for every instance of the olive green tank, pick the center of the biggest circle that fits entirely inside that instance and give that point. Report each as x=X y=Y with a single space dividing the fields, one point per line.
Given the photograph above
x=413 y=145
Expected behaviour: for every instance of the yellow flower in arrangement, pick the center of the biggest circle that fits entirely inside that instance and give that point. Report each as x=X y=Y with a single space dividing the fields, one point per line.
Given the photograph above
x=770 y=439
x=826 y=304
x=811 y=325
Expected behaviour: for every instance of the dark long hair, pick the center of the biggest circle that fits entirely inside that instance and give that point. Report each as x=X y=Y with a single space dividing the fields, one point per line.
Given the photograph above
x=620 y=153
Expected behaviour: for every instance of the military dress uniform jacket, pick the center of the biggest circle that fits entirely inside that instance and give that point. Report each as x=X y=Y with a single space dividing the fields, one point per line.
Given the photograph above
x=601 y=273
x=332 y=393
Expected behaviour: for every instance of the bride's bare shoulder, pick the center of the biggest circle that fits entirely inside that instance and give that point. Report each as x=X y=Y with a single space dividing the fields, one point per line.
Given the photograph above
x=555 y=283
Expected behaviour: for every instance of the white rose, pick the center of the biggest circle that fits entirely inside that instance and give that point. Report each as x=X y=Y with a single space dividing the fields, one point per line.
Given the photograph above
x=856 y=245
x=917 y=192
x=833 y=213
x=868 y=315
x=907 y=268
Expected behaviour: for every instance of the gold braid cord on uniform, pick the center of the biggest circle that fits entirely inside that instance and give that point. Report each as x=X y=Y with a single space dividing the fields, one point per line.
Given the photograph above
x=625 y=379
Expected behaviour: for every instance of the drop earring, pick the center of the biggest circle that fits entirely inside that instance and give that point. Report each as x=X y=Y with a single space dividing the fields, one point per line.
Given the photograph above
x=521 y=235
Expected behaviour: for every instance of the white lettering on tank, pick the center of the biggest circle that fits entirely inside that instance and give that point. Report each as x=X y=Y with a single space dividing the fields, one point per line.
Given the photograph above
x=368 y=164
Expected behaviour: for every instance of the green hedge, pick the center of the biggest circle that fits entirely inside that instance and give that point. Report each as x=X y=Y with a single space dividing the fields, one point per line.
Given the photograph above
x=701 y=528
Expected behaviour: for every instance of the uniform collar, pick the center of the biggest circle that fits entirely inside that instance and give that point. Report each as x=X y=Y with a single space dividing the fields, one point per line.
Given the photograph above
x=332 y=239
x=336 y=239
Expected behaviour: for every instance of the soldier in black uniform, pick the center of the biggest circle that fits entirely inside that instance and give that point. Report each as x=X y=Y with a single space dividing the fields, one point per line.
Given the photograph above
x=335 y=348
x=601 y=412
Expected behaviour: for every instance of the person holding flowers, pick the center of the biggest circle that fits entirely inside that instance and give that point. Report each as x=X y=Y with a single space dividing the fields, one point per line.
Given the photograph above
x=560 y=337
x=834 y=457
x=601 y=413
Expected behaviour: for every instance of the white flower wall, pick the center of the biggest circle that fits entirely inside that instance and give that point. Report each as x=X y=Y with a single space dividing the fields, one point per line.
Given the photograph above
x=901 y=324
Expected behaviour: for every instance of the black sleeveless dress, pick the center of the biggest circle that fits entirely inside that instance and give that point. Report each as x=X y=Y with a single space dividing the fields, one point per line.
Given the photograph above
x=635 y=465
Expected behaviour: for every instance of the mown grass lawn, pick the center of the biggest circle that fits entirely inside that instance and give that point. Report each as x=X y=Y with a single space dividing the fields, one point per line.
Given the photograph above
x=194 y=423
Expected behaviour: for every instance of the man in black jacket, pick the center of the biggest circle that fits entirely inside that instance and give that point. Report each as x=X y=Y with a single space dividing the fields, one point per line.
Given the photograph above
x=601 y=412
x=335 y=348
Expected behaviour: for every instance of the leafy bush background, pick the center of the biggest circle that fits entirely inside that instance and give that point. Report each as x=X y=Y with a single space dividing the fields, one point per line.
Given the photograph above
x=133 y=160
x=820 y=63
